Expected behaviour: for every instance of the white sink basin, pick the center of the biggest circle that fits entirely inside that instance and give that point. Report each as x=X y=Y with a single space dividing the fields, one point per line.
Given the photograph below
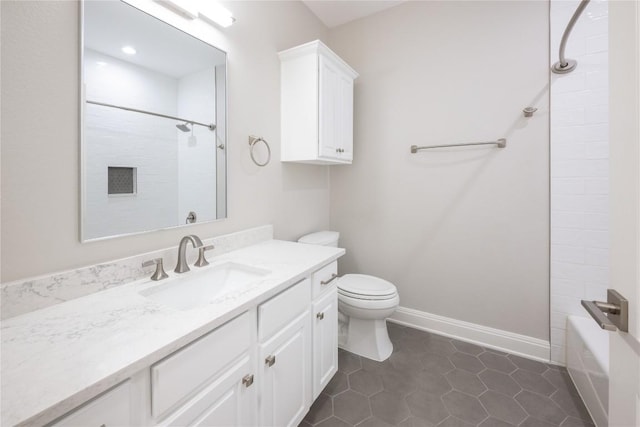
x=202 y=286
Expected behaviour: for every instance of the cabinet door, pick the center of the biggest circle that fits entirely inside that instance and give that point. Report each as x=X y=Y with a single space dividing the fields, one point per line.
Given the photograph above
x=229 y=401
x=285 y=383
x=345 y=127
x=329 y=116
x=325 y=340
x=111 y=409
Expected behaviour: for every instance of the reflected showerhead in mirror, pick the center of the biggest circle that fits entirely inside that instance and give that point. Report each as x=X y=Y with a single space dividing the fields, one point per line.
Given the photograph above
x=184 y=127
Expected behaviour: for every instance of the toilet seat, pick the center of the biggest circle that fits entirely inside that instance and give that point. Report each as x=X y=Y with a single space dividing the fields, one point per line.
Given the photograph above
x=365 y=287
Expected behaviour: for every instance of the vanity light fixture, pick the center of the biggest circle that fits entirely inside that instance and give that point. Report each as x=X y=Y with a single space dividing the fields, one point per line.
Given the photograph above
x=210 y=11
x=129 y=50
x=214 y=12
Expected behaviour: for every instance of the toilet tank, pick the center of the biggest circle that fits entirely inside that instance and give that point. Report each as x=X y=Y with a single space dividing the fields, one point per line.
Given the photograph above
x=323 y=238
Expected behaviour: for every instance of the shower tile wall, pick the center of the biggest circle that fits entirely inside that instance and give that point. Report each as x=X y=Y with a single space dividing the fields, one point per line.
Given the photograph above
x=579 y=167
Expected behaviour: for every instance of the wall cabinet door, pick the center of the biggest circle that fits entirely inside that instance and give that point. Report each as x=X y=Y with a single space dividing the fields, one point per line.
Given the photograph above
x=285 y=381
x=335 y=112
x=228 y=401
x=325 y=340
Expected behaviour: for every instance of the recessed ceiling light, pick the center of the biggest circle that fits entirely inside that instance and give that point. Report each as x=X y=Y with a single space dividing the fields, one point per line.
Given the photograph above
x=129 y=50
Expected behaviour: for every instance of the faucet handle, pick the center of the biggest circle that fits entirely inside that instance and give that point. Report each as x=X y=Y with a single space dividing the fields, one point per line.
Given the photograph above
x=202 y=261
x=159 y=274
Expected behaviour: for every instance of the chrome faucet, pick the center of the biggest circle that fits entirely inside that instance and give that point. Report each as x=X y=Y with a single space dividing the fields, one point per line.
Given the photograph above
x=182 y=265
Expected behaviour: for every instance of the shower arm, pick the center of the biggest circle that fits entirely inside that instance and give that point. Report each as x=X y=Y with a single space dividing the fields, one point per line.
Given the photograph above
x=565 y=65
x=210 y=126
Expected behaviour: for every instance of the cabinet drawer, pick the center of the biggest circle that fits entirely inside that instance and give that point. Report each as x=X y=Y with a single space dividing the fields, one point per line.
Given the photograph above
x=281 y=309
x=184 y=372
x=322 y=279
x=111 y=409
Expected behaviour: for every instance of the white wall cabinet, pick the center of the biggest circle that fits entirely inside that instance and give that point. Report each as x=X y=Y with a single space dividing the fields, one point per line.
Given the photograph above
x=264 y=367
x=316 y=105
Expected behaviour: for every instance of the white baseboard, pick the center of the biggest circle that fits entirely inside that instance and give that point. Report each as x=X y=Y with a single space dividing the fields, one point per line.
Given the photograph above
x=509 y=342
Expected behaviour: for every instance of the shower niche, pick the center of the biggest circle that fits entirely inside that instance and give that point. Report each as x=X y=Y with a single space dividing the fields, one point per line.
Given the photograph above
x=153 y=124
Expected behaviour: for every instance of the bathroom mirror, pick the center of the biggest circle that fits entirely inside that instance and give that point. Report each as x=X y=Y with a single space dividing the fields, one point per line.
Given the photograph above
x=153 y=124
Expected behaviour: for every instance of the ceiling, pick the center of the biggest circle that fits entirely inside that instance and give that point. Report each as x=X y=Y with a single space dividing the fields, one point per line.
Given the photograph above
x=333 y=13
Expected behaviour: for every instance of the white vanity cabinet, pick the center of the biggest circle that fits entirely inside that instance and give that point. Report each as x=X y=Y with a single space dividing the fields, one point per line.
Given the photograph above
x=316 y=105
x=324 y=317
x=210 y=381
x=284 y=350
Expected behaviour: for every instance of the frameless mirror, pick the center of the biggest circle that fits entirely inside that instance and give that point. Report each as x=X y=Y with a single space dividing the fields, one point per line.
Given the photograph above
x=153 y=124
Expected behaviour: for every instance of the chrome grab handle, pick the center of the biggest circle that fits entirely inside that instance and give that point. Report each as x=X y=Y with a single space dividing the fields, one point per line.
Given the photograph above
x=320 y=316
x=333 y=277
x=247 y=380
x=270 y=360
x=616 y=309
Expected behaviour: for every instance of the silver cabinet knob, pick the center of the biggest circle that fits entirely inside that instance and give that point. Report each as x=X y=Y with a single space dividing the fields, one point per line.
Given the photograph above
x=270 y=360
x=320 y=316
x=247 y=380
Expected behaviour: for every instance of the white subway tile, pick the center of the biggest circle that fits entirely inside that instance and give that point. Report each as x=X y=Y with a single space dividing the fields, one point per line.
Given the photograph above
x=595 y=292
x=564 y=270
x=596 y=186
x=597 y=114
x=565 y=287
x=595 y=239
x=597 y=150
x=567 y=236
x=595 y=221
x=596 y=256
x=558 y=320
x=566 y=253
x=569 y=219
x=598 y=43
x=568 y=186
x=568 y=150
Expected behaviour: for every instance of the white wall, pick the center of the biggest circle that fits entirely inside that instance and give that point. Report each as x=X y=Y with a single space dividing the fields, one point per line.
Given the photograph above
x=579 y=167
x=40 y=137
x=462 y=233
x=121 y=138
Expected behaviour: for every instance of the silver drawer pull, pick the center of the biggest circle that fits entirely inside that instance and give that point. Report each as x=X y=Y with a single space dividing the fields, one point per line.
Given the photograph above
x=247 y=380
x=270 y=360
x=320 y=316
x=334 y=276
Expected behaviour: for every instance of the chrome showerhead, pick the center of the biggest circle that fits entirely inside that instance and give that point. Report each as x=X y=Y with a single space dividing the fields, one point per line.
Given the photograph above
x=184 y=127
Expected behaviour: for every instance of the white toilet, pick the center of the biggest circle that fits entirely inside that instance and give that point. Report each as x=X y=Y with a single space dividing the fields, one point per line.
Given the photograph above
x=364 y=303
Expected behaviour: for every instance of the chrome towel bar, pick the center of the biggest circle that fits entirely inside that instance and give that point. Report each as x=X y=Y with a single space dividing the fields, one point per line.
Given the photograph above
x=501 y=143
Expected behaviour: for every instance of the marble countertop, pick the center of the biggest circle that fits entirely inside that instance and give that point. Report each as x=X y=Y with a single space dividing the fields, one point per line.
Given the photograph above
x=61 y=356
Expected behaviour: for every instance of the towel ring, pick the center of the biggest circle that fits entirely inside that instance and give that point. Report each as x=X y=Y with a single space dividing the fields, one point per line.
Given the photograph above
x=253 y=140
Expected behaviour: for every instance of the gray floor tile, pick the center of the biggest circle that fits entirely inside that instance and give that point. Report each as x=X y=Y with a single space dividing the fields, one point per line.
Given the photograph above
x=468 y=348
x=374 y=422
x=351 y=407
x=348 y=362
x=426 y=406
x=389 y=407
x=436 y=362
x=465 y=407
x=365 y=382
x=503 y=407
x=533 y=382
x=541 y=407
x=494 y=422
x=528 y=364
x=455 y=422
x=500 y=382
x=467 y=362
x=321 y=409
x=338 y=384
x=465 y=382
x=497 y=362
x=333 y=422
x=432 y=380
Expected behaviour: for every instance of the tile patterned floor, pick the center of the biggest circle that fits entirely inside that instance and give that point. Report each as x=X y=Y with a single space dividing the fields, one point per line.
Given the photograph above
x=431 y=380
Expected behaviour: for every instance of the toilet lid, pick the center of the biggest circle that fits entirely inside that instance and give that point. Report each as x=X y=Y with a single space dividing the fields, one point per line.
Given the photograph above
x=365 y=287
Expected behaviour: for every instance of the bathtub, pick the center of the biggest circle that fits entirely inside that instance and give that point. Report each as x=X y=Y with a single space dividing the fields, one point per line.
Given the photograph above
x=588 y=365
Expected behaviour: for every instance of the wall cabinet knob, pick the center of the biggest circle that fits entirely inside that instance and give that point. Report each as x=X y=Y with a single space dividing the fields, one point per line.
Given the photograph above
x=320 y=316
x=270 y=360
x=247 y=380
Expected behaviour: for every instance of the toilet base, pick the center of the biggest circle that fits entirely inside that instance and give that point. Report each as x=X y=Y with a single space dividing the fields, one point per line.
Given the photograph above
x=367 y=338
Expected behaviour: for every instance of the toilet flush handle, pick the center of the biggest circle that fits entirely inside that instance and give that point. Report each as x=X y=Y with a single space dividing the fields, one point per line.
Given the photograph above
x=333 y=277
